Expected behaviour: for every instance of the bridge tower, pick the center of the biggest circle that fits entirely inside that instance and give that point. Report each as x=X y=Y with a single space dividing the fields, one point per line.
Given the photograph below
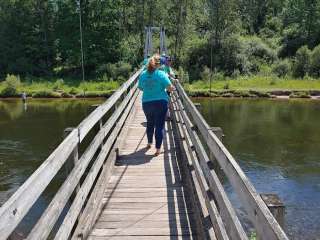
x=148 y=48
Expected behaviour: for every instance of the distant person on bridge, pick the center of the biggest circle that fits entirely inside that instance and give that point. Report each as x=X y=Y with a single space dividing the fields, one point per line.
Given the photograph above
x=166 y=67
x=154 y=83
x=145 y=62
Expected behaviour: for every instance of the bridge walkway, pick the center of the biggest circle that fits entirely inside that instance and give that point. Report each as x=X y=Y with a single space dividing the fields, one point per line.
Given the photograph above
x=145 y=197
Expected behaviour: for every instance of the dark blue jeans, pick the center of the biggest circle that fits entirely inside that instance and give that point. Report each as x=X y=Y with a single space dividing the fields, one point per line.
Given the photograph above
x=155 y=112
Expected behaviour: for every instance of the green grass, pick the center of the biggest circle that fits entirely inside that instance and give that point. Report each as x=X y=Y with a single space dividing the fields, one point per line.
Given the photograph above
x=65 y=88
x=259 y=83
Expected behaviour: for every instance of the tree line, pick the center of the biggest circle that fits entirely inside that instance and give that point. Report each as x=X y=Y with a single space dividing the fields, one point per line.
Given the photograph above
x=234 y=37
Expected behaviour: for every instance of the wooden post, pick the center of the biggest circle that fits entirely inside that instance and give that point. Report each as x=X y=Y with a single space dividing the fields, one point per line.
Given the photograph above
x=197 y=105
x=75 y=159
x=75 y=156
x=275 y=206
x=92 y=108
x=218 y=131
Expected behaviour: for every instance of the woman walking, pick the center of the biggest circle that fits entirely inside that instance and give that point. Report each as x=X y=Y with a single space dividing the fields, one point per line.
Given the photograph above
x=154 y=84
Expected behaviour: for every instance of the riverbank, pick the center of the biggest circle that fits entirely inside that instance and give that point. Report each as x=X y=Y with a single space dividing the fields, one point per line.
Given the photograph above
x=314 y=94
x=243 y=87
x=256 y=87
x=13 y=88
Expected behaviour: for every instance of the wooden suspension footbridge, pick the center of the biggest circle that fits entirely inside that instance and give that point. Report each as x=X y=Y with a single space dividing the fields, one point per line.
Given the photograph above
x=116 y=189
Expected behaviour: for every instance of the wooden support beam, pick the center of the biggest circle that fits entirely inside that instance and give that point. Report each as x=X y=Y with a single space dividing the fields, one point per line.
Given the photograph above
x=275 y=205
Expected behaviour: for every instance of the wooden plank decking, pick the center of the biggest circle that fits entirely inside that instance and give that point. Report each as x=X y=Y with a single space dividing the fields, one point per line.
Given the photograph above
x=145 y=197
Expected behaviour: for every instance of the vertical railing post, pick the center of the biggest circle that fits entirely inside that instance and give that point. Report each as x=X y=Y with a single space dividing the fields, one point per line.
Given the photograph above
x=74 y=158
x=75 y=154
x=92 y=108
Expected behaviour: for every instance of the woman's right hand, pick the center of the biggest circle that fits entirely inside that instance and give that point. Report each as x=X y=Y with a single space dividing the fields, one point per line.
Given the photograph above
x=170 y=88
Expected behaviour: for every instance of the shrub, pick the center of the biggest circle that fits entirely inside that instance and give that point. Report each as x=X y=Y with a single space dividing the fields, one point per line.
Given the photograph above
x=226 y=86
x=205 y=74
x=73 y=91
x=119 y=69
x=301 y=64
x=315 y=62
x=229 y=55
x=255 y=47
x=58 y=85
x=66 y=95
x=281 y=68
x=46 y=94
x=272 y=27
x=11 y=85
x=273 y=82
x=292 y=40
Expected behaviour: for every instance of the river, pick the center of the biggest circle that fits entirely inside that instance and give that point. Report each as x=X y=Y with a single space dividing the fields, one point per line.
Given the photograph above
x=28 y=134
x=276 y=142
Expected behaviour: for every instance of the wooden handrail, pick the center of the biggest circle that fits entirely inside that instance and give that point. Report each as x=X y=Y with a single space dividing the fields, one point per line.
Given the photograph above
x=71 y=217
x=13 y=211
x=53 y=211
x=228 y=214
x=265 y=224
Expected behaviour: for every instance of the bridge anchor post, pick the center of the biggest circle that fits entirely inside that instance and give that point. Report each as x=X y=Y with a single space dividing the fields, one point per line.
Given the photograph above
x=275 y=205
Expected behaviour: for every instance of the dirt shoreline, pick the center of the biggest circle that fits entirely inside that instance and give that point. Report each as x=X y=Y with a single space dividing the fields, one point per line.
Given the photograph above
x=276 y=94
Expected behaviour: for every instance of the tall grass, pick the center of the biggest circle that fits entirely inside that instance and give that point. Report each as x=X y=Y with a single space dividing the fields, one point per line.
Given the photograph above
x=257 y=83
x=54 y=87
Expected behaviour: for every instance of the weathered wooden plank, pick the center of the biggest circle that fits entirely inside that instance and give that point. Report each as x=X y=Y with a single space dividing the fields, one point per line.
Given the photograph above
x=164 y=210
x=149 y=237
x=139 y=172
x=141 y=190
x=141 y=231
x=160 y=180
x=139 y=217
x=137 y=206
x=265 y=224
x=139 y=177
x=145 y=185
x=69 y=220
x=182 y=223
x=13 y=211
x=145 y=194
x=145 y=200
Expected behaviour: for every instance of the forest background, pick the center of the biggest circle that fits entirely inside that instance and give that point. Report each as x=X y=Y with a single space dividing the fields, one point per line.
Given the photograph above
x=216 y=44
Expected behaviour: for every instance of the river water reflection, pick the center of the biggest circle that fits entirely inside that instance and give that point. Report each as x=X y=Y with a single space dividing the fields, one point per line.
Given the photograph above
x=277 y=143
x=28 y=135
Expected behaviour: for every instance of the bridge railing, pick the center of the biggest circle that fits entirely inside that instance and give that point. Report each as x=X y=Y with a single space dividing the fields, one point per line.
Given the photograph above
x=203 y=149
x=77 y=188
